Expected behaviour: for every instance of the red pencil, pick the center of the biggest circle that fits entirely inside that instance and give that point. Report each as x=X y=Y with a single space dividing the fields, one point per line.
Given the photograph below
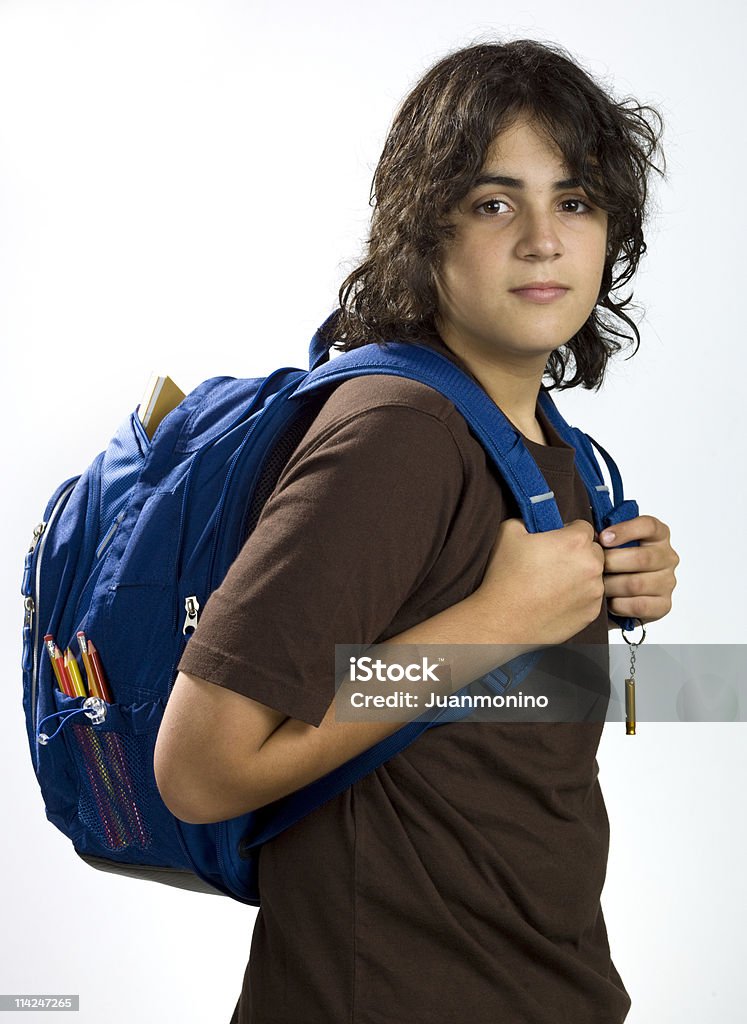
x=98 y=669
x=58 y=665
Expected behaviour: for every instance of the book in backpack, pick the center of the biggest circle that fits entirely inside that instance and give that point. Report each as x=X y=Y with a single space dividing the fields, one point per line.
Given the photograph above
x=128 y=553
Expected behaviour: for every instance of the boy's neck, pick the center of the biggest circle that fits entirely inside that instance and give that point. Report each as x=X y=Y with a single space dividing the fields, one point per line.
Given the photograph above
x=513 y=387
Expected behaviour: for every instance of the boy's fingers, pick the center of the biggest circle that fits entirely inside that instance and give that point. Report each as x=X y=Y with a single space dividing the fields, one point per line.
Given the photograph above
x=645 y=528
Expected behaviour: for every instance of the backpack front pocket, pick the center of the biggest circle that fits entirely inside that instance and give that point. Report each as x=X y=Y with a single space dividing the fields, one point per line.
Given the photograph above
x=117 y=810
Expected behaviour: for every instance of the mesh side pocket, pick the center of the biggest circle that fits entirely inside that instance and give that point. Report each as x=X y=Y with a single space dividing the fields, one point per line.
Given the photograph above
x=115 y=800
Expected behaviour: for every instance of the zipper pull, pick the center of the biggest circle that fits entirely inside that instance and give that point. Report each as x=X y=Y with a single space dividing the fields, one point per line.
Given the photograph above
x=27 y=563
x=38 y=531
x=27 y=659
x=192 y=607
x=109 y=534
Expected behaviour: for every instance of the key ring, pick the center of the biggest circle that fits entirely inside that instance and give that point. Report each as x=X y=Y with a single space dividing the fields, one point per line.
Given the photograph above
x=635 y=643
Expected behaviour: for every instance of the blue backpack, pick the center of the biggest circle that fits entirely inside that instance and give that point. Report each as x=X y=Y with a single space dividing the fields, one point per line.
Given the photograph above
x=129 y=552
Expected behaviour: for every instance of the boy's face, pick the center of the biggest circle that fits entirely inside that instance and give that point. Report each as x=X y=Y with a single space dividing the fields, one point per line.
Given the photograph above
x=508 y=237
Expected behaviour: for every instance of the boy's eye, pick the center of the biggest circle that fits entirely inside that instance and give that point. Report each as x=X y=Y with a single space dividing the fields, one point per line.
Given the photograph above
x=578 y=202
x=492 y=203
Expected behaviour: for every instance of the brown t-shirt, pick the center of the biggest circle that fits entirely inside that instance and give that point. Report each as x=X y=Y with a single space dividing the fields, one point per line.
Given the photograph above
x=460 y=882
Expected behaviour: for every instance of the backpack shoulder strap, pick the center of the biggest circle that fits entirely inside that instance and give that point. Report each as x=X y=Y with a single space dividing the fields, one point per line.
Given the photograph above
x=499 y=438
x=606 y=512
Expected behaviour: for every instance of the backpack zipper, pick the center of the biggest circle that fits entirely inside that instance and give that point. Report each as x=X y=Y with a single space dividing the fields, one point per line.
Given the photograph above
x=41 y=533
x=109 y=535
x=192 y=608
x=29 y=604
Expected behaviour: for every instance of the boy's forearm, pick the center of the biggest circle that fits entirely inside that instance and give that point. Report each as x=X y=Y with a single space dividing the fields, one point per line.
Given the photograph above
x=297 y=753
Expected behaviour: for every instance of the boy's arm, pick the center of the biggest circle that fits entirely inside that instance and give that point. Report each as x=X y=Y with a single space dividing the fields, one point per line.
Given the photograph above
x=262 y=755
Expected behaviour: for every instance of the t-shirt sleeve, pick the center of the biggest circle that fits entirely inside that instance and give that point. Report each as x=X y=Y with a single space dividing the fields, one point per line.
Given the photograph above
x=354 y=525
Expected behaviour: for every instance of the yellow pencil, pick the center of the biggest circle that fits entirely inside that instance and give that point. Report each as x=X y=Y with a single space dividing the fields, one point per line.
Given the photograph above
x=72 y=666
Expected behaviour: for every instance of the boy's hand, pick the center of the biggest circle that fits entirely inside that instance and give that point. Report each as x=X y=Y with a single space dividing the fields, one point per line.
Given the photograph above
x=542 y=588
x=638 y=582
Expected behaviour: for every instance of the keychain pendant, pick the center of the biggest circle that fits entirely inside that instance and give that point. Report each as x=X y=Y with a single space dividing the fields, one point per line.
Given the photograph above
x=630 y=684
x=630 y=706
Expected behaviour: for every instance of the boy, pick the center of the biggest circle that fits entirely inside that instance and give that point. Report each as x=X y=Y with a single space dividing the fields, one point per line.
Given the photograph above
x=461 y=880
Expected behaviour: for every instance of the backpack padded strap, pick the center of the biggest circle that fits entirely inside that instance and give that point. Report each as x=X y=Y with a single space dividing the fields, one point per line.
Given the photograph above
x=499 y=437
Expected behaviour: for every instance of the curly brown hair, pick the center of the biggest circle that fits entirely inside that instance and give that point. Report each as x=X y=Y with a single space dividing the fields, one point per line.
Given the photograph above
x=436 y=148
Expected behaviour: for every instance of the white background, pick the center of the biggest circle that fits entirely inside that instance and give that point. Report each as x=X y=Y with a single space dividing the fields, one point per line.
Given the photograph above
x=183 y=187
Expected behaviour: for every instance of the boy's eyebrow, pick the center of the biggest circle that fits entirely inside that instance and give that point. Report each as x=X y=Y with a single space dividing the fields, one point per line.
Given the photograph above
x=502 y=179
